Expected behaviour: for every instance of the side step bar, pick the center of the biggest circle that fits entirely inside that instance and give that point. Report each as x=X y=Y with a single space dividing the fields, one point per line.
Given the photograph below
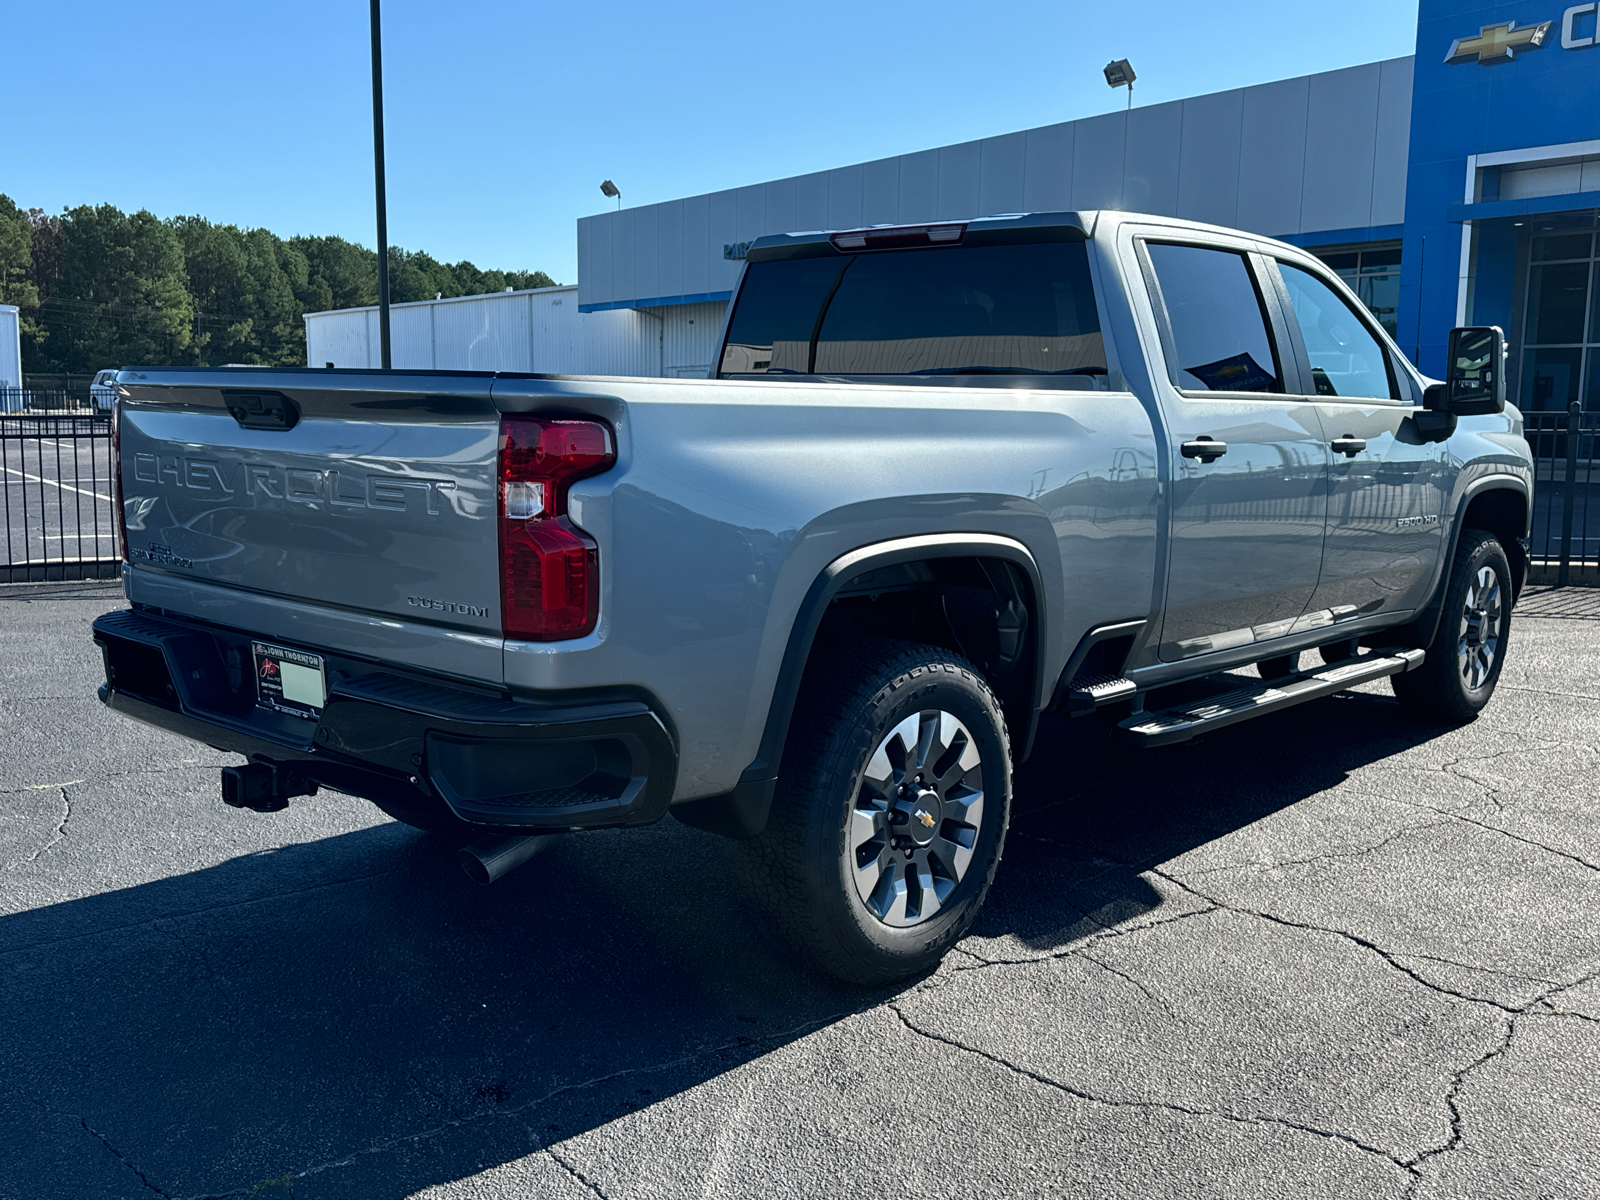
x=1169 y=726
x=1088 y=692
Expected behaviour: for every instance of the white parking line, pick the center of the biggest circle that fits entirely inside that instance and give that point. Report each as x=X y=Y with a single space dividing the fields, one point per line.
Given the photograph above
x=67 y=487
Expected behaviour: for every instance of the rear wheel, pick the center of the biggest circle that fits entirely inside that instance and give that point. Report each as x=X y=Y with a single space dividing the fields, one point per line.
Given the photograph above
x=1468 y=651
x=890 y=814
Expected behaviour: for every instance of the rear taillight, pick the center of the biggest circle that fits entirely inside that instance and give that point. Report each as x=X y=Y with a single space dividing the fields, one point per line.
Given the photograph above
x=549 y=568
x=116 y=477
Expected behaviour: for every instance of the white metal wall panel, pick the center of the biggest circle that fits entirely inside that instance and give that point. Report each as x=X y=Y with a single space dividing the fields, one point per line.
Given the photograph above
x=880 y=192
x=697 y=251
x=959 y=169
x=1208 y=163
x=1272 y=150
x=669 y=242
x=647 y=255
x=1047 y=170
x=339 y=338
x=10 y=346
x=486 y=333
x=1001 y=172
x=1394 y=143
x=781 y=207
x=411 y=336
x=1155 y=146
x=919 y=186
x=621 y=341
x=810 y=202
x=689 y=337
x=555 y=332
x=1341 y=144
x=845 y=189
x=1098 y=157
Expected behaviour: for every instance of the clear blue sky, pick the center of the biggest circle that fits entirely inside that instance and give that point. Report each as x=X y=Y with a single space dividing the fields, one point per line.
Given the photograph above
x=503 y=116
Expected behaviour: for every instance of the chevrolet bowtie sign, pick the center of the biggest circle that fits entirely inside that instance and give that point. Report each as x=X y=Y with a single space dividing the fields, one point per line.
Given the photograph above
x=1495 y=43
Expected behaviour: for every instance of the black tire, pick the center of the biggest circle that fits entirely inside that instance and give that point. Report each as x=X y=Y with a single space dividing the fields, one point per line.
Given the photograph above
x=853 y=705
x=1455 y=682
x=1279 y=667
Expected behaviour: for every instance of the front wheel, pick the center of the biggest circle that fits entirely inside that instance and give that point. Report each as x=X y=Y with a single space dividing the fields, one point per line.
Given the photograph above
x=1463 y=665
x=890 y=814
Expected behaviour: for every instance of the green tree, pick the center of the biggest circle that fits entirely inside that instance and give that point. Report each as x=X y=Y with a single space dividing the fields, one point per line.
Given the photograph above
x=245 y=286
x=119 y=293
x=16 y=257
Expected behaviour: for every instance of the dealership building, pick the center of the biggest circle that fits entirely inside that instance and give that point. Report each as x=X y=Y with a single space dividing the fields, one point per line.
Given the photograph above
x=1457 y=186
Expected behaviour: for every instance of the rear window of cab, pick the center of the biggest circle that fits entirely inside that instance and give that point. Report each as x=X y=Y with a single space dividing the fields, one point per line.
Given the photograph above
x=1015 y=309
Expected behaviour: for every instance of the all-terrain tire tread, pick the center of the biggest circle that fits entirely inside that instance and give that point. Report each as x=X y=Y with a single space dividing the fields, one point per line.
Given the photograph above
x=829 y=732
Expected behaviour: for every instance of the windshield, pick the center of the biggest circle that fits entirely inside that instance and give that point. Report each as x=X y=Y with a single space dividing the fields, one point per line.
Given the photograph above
x=975 y=310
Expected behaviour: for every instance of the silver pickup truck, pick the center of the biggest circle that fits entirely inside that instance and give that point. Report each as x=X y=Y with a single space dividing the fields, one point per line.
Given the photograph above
x=946 y=478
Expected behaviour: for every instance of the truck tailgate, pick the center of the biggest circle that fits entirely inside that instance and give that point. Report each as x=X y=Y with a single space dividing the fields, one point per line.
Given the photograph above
x=354 y=492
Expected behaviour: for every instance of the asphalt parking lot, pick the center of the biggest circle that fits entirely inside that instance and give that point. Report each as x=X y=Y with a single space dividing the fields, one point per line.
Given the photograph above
x=1328 y=953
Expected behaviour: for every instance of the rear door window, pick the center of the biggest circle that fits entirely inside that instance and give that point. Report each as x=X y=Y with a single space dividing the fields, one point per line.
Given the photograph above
x=1220 y=333
x=1346 y=357
x=1025 y=309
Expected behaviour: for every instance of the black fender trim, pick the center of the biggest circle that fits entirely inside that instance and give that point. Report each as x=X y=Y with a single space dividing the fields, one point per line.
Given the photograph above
x=1426 y=623
x=742 y=812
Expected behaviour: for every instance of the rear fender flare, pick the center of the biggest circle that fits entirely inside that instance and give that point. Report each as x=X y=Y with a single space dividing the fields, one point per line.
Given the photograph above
x=742 y=813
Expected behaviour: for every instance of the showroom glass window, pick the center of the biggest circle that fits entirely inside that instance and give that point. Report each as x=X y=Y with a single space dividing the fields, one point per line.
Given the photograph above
x=1218 y=323
x=1373 y=274
x=1561 y=326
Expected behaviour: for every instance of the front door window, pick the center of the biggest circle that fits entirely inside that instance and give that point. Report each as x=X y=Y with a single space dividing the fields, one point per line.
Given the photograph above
x=1561 y=334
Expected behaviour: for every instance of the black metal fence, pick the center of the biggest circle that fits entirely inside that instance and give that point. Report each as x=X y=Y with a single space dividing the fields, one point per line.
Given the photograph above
x=55 y=473
x=1565 y=543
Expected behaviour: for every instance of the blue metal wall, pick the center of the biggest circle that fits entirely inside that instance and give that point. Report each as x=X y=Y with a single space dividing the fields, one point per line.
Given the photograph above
x=1541 y=96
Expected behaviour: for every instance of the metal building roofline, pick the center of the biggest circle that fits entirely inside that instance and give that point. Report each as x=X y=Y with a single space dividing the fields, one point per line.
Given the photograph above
x=560 y=287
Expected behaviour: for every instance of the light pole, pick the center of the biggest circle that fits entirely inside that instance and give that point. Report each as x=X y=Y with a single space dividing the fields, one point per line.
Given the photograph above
x=1119 y=73
x=607 y=188
x=383 y=204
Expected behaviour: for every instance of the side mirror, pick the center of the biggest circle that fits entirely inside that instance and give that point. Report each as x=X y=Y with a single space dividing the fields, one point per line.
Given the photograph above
x=1475 y=375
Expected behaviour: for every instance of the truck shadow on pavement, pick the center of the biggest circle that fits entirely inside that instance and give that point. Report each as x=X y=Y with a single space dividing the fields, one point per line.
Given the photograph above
x=353 y=1017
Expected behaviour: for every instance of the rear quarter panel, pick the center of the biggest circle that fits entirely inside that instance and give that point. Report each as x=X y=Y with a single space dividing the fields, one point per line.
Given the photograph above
x=730 y=498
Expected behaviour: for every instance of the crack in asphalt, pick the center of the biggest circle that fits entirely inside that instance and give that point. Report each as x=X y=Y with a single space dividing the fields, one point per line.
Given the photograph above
x=576 y=1174
x=740 y=1044
x=1106 y=933
x=57 y=836
x=1517 y=837
x=1165 y=1105
x=123 y=1159
x=110 y=775
x=1452 y=1100
x=1123 y=975
x=1357 y=852
x=1511 y=687
x=1386 y=956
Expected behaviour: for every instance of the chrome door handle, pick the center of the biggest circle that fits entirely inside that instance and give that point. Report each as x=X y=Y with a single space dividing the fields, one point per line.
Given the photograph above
x=1349 y=446
x=1205 y=449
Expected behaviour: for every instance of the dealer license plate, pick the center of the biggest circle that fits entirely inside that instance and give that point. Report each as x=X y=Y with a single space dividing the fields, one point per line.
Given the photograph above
x=290 y=681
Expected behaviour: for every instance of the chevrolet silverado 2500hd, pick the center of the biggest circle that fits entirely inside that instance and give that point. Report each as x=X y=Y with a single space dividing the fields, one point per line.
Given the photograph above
x=945 y=478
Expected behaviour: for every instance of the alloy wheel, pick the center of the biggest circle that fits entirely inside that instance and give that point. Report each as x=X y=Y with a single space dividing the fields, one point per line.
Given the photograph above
x=1481 y=620
x=914 y=825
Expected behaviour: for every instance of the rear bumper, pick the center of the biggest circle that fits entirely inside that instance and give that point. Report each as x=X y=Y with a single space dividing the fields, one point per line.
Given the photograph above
x=564 y=762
